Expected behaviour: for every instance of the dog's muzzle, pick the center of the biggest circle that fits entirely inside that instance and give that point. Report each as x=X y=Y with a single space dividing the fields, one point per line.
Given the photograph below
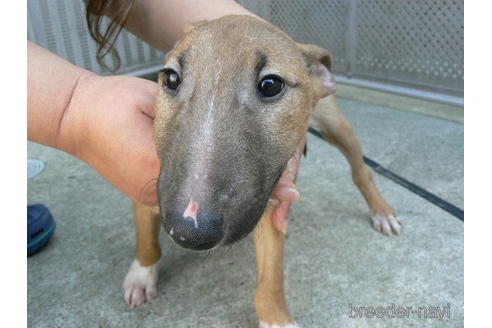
x=194 y=227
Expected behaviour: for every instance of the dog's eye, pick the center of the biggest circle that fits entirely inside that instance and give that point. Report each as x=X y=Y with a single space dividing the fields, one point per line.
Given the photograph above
x=171 y=79
x=270 y=86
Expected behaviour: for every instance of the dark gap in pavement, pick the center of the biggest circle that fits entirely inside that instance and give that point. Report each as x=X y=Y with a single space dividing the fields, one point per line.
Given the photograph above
x=430 y=197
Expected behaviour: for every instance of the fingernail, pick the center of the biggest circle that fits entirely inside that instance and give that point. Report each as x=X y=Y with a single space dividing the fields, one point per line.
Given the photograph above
x=290 y=176
x=297 y=195
x=291 y=164
x=284 y=228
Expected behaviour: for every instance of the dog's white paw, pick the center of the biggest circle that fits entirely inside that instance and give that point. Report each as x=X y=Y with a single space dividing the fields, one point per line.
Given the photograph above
x=140 y=284
x=290 y=325
x=386 y=224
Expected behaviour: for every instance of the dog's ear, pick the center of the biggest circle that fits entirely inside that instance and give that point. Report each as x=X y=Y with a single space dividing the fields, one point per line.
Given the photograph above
x=319 y=63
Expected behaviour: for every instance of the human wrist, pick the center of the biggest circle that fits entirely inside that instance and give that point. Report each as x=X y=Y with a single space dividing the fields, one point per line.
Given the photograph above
x=52 y=84
x=74 y=128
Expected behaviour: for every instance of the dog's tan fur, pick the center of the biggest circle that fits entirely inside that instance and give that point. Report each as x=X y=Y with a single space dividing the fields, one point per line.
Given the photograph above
x=337 y=130
x=270 y=297
x=148 y=227
x=270 y=302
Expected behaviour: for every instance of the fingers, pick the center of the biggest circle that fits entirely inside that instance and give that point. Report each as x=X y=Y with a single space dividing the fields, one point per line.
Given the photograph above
x=285 y=191
x=280 y=215
x=287 y=195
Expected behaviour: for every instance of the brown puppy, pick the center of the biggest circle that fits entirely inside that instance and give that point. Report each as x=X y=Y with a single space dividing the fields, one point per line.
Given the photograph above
x=236 y=97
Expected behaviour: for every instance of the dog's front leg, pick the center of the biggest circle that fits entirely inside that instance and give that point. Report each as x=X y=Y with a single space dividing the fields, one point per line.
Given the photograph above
x=140 y=282
x=270 y=303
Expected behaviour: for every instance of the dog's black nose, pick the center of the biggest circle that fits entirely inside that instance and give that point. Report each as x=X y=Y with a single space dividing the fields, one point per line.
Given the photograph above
x=198 y=229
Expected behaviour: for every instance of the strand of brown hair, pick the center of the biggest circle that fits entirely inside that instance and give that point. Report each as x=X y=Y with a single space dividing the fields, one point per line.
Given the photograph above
x=118 y=11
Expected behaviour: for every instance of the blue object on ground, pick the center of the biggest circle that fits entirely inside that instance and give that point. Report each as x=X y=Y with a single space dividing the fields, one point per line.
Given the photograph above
x=34 y=167
x=40 y=227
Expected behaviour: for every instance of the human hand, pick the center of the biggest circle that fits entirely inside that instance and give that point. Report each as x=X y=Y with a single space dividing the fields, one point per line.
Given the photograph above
x=285 y=192
x=112 y=121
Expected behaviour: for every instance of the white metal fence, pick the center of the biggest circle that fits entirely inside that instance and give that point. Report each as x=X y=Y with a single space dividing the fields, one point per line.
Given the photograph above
x=412 y=47
x=59 y=25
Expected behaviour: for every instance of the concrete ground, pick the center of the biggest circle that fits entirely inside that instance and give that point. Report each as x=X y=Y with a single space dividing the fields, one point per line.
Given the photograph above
x=335 y=263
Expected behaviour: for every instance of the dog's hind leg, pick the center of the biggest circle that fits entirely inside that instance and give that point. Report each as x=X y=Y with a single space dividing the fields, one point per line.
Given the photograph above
x=140 y=282
x=337 y=130
x=270 y=303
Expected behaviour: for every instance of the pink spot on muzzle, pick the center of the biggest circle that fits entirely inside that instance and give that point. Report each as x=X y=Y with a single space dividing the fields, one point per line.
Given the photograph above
x=191 y=211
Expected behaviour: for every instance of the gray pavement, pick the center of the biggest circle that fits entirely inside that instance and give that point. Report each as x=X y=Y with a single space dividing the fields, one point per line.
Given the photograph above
x=334 y=259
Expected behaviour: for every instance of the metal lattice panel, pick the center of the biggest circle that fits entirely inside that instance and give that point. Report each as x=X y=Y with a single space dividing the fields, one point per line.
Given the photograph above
x=322 y=23
x=59 y=26
x=409 y=45
x=411 y=41
x=412 y=45
x=317 y=22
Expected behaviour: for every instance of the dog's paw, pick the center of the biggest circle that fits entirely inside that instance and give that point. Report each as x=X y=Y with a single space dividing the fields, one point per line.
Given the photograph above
x=140 y=284
x=387 y=224
x=290 y=325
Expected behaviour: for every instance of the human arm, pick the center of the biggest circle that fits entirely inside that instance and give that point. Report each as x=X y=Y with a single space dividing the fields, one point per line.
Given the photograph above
x=104 y=121
x=160 y=22
x=51 y=82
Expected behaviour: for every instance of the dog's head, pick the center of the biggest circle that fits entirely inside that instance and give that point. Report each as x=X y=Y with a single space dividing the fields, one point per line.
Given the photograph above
x=234 y=101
